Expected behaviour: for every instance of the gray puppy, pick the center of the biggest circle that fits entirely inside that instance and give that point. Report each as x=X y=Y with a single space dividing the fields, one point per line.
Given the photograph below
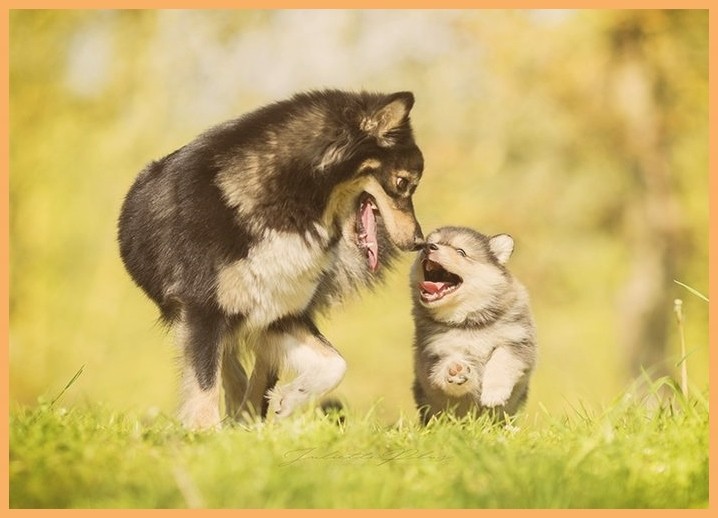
x=475 y=341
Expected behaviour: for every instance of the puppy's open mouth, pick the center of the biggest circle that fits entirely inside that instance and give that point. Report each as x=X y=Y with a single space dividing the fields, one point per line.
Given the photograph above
x=366 y=230
x=438 y=282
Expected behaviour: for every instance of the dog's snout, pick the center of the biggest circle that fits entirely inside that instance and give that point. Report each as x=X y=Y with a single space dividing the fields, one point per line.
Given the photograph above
x=431 y=247
x=418 y=240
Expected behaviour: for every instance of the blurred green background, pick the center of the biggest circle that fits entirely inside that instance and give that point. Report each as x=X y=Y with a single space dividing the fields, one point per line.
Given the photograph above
x=584 y=134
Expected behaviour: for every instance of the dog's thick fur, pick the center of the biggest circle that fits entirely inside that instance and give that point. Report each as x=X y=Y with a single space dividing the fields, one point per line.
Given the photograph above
x=475 y=341
x=242 y=235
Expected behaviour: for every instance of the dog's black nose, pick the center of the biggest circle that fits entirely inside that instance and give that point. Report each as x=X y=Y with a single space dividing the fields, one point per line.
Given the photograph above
x=430 y=246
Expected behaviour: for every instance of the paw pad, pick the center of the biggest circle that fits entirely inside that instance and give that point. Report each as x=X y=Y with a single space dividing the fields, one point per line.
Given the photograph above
x=458 y=374
x=456 y=368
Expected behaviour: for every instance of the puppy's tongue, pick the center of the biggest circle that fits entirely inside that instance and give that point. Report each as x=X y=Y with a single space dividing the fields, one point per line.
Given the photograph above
x=372 y=247
x=432 y=287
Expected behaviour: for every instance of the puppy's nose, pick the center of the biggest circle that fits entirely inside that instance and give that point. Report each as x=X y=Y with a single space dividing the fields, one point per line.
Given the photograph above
x=428 y=247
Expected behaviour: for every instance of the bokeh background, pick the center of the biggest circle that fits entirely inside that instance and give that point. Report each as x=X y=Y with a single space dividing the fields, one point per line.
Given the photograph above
x=584 y=134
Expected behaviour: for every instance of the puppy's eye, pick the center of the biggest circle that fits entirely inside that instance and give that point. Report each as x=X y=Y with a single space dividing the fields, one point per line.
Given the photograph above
x=461 y=252
x=402 y=184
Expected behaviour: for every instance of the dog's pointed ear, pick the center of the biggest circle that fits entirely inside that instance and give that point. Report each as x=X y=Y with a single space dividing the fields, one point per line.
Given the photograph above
x=502 y=246
x=391 y=115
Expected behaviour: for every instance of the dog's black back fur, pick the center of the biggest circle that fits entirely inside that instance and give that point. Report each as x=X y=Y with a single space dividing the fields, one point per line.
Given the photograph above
x=173 y=220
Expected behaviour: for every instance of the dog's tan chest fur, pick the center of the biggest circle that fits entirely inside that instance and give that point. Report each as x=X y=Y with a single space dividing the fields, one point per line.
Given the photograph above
x=279 y=277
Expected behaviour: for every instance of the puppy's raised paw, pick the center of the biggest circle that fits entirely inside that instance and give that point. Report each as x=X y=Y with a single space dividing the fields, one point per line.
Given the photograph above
x=458 y=373
x=495 y=396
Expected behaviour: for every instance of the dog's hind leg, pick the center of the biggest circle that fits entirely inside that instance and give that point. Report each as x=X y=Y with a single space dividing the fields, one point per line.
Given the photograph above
x=316 y=364
x=264 y=377
x=234 y=380
x=201 y=335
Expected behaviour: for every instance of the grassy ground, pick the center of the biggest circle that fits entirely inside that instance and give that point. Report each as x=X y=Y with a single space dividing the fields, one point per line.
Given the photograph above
x=625 y=456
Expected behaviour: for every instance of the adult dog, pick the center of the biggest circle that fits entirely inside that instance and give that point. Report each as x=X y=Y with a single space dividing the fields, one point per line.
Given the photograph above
x=242 y=235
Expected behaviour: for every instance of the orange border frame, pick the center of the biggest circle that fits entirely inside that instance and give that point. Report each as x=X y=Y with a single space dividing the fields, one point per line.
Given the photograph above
x=323 y=4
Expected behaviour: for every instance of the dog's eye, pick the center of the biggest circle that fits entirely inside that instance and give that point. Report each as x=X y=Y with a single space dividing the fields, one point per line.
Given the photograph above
x=461 y=252
x=402 y=184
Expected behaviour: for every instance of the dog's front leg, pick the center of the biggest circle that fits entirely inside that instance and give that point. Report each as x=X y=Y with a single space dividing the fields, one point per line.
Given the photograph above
x=316 y=365
x=201 y=335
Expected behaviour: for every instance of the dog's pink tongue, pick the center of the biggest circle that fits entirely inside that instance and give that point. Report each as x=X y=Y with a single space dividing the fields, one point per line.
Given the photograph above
x=372 y=247
x=432 y=287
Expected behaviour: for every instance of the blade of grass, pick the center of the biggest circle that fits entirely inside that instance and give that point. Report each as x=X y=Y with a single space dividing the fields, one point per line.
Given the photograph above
x=693 y=291
x=69 y=384
x=678 y=309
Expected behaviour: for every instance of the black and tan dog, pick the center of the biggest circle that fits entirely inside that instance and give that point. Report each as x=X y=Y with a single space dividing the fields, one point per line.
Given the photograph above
x=242 y=235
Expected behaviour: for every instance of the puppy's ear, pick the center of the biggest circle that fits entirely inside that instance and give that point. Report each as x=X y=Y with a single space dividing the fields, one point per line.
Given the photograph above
x=390 y=116
x=502 y=246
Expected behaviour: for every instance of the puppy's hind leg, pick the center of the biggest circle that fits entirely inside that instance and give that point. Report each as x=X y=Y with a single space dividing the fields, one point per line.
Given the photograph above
x=422 y=403
x=317 y=365
x=201 y=335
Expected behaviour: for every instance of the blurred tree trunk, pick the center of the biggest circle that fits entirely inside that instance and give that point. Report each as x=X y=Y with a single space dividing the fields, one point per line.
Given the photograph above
x=652 y=214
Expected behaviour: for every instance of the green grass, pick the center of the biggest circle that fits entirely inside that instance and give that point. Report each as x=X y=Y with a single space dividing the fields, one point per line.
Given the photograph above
x=626 y=456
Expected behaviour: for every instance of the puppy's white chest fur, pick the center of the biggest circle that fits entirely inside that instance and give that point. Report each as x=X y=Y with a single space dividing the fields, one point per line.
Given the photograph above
x=278 y=277
x=461 y=342
x=475 y=343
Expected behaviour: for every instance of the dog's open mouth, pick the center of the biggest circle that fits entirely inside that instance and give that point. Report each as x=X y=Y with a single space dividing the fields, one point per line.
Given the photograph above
x=438 y=282
x=366 y=230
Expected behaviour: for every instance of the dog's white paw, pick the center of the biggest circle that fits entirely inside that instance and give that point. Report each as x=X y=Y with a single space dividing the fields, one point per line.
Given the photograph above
x=283 y=401
x=495 y=396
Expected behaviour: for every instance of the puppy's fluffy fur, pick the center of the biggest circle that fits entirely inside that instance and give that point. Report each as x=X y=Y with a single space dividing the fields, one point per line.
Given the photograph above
x=475 y=342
